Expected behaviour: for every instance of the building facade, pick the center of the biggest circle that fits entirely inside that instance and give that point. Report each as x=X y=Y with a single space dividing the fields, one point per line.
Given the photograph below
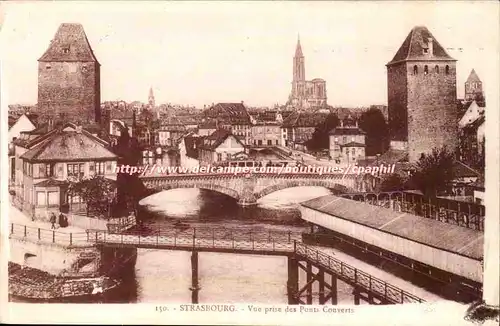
x=305 y=94
x=347 y=143
x=69 y=78
x=422 y=104
x=44 y=166
x=220 y=146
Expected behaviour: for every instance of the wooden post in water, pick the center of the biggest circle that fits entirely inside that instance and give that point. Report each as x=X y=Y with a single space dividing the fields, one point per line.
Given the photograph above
x=309 y=277
x=293 y=280
x=321 y=280
x=194 y=277
x=334 y=290
x=356 y=293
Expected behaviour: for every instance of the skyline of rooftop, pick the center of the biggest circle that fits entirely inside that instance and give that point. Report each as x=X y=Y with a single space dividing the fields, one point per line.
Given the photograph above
x=231 y=61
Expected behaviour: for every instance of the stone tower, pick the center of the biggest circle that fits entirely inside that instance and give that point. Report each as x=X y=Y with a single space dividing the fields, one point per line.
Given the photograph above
x=151 y=98
x=299 y=72
x=69 y=78
x=474 y=88
x=422 y=105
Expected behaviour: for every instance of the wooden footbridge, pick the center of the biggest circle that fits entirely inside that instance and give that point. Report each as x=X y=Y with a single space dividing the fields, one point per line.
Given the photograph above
x=322 y=270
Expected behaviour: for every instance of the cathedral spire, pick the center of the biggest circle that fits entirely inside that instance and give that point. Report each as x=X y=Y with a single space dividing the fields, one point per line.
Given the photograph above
x=298 y=49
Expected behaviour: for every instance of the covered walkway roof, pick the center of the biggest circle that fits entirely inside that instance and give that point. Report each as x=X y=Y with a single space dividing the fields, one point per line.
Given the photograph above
x=445 y=236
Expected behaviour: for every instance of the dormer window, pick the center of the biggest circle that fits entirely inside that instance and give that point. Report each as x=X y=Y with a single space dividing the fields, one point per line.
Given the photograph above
x=426 y=50
x=65 y=50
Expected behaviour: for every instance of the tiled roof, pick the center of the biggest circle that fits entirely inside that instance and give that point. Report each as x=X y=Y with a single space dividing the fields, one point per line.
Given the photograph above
x=233 y=113
x=304 y=119
x=346 y=131
x=68 y=144
x=460 y=170
x=393 y=156
x=73 y=38
x=214 y=140
x=353 y=144
x=51 y=182
x=414 y=45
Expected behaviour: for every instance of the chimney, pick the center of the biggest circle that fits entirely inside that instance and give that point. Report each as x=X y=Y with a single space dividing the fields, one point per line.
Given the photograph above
x=430 y=45
x=242 y=102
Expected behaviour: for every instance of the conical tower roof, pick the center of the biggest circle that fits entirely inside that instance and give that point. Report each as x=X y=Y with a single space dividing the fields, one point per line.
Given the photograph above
x=473 y=77
x=70 y=44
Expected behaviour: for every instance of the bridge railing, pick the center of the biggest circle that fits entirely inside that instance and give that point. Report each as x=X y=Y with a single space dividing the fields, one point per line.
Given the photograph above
x=20 y=231
x=356 y=277
x=217 y=239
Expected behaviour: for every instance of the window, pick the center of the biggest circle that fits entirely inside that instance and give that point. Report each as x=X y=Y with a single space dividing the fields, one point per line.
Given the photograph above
x=99 y=168
x=65 y=50
x=269 y=142
x=344 y=139
x=53 y=198
x=353 y=151
x=436 y=69
x=48 y=66
x=415 y=70
x=447 y=70
x=276 y=142
x=426 y=50
x=219 y=156
x=426 y=70
x=259 y=142
x=40 y=198
x=75 y=170
x=49 y=170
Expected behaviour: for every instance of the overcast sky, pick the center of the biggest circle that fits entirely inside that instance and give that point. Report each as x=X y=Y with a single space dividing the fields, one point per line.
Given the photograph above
x=198 y=53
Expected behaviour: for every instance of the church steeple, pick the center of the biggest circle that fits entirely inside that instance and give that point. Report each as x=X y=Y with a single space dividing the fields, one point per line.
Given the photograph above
x=299 y=73
x=151 y=98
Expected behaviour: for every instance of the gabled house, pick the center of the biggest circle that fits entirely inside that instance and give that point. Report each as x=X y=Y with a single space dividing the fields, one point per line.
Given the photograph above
x=220 y=146
x=45 y=164
x=298 y=128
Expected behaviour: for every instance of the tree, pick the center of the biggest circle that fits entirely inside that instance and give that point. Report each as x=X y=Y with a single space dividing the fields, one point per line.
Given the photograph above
x=373 y=123
x=320 y=137
x=393 y=182
x=97 y=192
x=434 y=172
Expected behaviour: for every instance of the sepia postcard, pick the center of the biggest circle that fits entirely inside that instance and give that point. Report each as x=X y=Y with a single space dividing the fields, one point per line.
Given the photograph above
x=263 y=163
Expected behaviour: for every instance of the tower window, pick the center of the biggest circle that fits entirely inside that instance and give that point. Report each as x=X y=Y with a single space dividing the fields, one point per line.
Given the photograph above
x=436 y=69
x=447 y=70
x=426 y=70
x=415 y=70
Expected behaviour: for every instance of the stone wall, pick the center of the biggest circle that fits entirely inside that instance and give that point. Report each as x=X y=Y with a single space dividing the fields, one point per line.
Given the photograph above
x=69 y=88
x=432 y=108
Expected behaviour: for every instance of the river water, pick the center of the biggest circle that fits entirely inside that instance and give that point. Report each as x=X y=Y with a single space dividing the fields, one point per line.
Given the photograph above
x=165 y=276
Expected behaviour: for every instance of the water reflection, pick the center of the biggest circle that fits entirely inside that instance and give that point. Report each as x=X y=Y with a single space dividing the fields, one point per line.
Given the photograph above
x=195 y=205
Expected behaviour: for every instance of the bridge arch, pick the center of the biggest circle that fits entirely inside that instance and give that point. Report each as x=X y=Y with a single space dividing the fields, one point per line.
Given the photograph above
x=206 y=186
x=301 y=183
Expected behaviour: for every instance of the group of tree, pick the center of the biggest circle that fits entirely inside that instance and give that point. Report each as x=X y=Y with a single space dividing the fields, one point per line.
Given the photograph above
x=372 y=122
x=97 y=192
x=433 y=174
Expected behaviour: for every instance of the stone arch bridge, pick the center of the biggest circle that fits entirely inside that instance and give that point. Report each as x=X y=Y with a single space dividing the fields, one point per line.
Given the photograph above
x=248 y=188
